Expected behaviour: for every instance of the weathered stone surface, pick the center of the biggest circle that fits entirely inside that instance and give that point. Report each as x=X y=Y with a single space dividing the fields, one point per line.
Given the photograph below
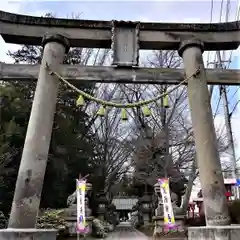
x=208 y=159
x=179 y=221
x=32 y=168
x=60 y=22
x=214 y=232
x=21 y=29
x=72 y=226
x=78 y=74
x=56 y=38
x=27 y=234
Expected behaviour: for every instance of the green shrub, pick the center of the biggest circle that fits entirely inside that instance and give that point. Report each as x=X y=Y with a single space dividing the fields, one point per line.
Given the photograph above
x=52 y=219
x=234 y=211
x=3 y=220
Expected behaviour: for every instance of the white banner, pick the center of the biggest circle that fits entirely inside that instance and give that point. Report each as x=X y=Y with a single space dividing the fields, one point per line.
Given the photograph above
x=81 y=218
x=169 y=220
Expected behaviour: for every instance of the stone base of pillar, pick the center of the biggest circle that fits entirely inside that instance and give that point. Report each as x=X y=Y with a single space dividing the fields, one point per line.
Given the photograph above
x=72 y=226
x=26 y=234
x=159 y=223
x=231 y=232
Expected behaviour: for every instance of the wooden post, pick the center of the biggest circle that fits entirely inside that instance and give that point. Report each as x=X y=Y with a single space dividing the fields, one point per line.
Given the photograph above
x=31 y=173
x=211 y=178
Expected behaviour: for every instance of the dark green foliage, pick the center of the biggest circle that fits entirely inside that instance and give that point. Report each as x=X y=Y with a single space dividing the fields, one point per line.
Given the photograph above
x=3 y=220
x=234 y=211
x=73 y=144
x=51 y=219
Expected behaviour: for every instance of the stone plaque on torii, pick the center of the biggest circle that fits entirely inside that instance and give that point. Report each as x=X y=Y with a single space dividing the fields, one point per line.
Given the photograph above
x=125 y=39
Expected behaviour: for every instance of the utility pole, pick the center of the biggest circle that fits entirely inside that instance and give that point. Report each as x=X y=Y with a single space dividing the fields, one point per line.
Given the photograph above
x=227 y=116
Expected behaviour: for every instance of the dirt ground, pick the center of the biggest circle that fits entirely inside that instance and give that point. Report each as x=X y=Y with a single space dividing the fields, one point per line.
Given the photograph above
x=148 y=231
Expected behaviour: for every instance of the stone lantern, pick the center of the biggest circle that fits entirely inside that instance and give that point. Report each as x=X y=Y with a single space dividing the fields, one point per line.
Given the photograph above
x=145 y=207
x=111 y=215
x=157 y=191
x=102 y=202
x=158 y=218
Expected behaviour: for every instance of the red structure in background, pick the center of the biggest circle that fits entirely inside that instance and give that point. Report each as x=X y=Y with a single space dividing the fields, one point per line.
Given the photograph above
x=198 y=202
x=229 y=183
x=191 y=210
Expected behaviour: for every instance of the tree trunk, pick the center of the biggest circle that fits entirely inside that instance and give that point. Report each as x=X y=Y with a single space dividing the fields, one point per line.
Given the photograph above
x=187 y=195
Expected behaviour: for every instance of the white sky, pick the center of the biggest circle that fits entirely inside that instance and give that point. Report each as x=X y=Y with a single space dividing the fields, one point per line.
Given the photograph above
x=168 y=11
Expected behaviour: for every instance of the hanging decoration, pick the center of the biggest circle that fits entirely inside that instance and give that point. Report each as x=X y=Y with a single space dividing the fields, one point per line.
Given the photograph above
x=101 y=111
x=103 y=104
x=146 y=111
x=81 y=218
x=124 y=114
x=169 y=220
x=165 y=101
x=80 y=101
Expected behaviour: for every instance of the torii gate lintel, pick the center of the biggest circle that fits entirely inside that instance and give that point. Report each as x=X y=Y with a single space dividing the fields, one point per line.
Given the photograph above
x=29 y=30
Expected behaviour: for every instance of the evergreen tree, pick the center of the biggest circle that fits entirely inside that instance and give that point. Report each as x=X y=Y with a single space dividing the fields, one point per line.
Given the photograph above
x=73 y=144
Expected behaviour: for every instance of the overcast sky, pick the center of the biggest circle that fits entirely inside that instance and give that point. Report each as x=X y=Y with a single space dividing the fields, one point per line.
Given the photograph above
x=159 y=11
x=167 y=11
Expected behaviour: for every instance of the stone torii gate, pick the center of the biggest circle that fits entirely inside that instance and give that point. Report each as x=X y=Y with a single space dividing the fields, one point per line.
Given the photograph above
x=125 y=39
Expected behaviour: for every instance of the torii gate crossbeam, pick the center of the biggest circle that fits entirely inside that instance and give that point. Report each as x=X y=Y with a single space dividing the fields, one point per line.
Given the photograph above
x=78 y=74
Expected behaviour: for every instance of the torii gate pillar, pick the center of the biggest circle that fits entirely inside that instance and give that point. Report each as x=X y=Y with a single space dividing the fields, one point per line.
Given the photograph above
x=31 y=173
x=208 y=159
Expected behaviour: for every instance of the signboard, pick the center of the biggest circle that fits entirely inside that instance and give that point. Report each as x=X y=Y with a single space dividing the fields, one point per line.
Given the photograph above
x=230 y=181
x=169 y=220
